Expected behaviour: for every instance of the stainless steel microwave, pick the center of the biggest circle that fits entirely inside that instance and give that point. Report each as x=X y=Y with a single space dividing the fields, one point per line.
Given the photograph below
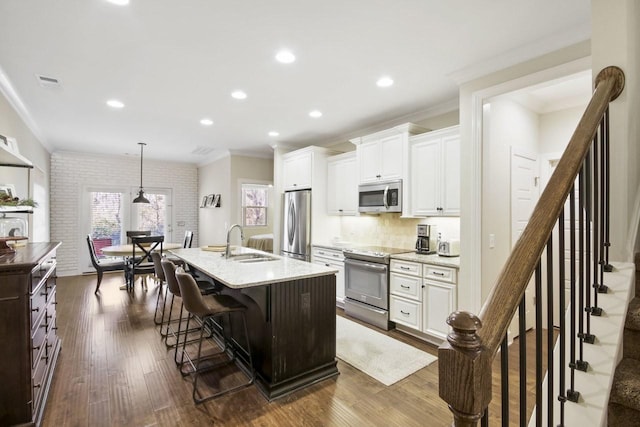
x=380 y=197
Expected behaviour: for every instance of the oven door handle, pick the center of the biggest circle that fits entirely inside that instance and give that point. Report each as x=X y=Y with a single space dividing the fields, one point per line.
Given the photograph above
x=367 y=265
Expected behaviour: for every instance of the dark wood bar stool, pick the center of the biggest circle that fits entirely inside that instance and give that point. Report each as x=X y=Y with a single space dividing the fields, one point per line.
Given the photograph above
x=215 y=307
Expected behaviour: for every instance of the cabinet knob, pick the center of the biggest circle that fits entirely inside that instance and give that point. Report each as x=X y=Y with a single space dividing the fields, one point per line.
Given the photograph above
x=37 y=309
x=378 y=176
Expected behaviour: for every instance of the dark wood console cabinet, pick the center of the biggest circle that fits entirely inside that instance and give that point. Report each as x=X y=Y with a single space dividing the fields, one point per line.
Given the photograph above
x=28 y=332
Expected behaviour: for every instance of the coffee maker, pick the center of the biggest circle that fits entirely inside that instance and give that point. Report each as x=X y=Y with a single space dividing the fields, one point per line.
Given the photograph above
x=426 y=243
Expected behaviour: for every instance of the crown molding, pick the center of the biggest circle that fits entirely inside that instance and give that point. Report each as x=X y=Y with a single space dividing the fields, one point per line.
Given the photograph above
x=6 y=88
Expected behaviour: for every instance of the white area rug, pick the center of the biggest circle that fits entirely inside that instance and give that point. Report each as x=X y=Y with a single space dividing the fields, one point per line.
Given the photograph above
x=377 y=355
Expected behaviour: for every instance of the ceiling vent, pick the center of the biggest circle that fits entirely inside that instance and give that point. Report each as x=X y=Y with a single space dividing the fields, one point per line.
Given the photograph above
x=48 y=82
x=200 y=150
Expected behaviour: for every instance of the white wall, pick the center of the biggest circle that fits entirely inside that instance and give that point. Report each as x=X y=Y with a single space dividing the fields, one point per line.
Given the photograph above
x=510 y=126
x=566 y=61
x=30 y=147
x=213 y=222
x=225 y=176
x=72 y=172
x=616 y=41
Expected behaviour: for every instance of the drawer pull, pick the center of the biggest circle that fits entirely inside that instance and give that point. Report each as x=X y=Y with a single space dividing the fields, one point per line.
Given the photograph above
x=402 y=267
x=55 y=328
x=321 y=252
x=438 y=273
x=335 y=256
x=405 y=287
x=405 y=313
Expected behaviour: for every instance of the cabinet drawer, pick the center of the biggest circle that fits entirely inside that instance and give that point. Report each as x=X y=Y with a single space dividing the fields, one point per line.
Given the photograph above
x=38 y=378
x=405 y=312
x=333 y=254
x=38 y=335
x=41 y=272
x=406 y=267
x=406 y=286
x=38 y=303
x=443 y=274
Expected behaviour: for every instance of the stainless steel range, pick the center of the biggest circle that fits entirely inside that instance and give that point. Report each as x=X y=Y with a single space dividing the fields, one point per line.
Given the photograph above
x=366 y=273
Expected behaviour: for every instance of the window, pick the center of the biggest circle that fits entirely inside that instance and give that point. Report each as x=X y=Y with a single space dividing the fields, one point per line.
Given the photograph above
x=106 y=222
x=255 y=200
x=152 y=215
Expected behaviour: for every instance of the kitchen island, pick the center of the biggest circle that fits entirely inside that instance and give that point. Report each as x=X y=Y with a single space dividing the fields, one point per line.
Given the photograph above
x=291 y=314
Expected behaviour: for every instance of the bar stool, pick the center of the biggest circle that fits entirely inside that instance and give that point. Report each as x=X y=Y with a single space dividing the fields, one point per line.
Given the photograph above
x=205 y=288
x=215 y=306
x=161 y=280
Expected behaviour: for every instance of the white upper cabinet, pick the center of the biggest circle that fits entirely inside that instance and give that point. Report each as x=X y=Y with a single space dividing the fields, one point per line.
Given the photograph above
x=381 y=160
x=297 y=170
x=342 y=184
x=383 y=156
x=435 y=173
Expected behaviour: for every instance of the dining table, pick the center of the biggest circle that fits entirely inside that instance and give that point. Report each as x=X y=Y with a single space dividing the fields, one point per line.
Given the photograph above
x=126 y=251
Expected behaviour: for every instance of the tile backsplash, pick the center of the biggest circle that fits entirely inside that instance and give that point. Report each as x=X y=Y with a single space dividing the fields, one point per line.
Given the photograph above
x=392 y=231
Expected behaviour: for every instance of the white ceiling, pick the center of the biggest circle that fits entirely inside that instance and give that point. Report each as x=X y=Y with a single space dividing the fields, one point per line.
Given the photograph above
x=175 y=62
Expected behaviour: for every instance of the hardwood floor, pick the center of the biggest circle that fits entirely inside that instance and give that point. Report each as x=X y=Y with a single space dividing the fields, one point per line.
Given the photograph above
x=114 y=370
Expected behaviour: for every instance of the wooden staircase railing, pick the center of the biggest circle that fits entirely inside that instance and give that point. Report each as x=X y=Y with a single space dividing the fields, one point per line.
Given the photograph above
x=465 y=359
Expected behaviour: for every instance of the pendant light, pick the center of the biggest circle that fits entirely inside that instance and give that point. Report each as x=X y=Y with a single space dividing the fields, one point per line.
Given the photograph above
x=141 y=198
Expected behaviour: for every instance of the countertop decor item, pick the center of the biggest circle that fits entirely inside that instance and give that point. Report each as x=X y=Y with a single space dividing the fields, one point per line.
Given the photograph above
x=141 y=198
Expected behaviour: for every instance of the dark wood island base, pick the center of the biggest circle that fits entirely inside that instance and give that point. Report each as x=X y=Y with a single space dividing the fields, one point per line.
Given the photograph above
x=292 y=327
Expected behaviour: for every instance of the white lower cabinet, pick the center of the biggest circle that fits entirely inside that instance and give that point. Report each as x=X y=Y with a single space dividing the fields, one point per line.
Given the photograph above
x=332 y=258
x=439 y=301
x=406 y=312
x=422 y=296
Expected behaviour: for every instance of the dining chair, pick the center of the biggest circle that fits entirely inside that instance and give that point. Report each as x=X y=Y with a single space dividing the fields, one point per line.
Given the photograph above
x=137 y=233
x=140 y=262
x=102 y=265
x=206 y=311
x=186 y=243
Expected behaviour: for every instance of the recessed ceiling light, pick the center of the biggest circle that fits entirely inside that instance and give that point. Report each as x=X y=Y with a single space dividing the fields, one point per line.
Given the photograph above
x=114 y=103
x=315 y=114
x=119 y=2
x=206 y=122
x=238 y=94
x=385 y=81
x=274 y=133
x=285 y=56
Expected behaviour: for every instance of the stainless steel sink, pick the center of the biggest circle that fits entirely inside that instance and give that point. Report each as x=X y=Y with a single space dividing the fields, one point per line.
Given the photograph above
x=251 y=258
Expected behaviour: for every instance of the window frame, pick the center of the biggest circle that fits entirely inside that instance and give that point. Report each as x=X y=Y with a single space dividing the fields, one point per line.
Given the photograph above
x=243 y=208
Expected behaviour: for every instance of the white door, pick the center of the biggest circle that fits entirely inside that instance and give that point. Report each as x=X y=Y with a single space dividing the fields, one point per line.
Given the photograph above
x=524 y=196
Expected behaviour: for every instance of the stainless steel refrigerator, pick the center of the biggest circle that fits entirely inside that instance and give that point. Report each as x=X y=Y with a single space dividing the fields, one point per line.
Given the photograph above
x=296 y=227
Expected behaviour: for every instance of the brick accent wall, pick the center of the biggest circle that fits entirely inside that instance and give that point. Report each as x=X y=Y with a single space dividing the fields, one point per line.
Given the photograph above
x=72 y=173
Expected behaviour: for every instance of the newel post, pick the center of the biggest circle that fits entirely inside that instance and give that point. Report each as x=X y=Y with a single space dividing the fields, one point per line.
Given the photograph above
x=464 y=370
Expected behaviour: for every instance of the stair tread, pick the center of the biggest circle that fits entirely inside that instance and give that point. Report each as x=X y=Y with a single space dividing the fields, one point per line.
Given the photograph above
x=626 y=384
x=633 y=315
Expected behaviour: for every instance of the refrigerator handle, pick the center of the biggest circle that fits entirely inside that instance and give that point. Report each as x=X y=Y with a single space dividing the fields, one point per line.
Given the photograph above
x=292 y=222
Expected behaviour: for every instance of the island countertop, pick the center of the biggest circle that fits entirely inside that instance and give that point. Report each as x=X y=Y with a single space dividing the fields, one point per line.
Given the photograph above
x=238 y=275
